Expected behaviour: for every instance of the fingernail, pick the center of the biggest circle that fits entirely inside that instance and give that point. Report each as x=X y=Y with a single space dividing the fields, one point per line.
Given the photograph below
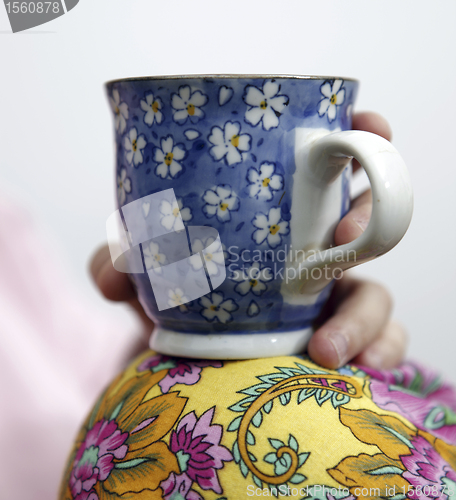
x=361 y=223
x=340 y=345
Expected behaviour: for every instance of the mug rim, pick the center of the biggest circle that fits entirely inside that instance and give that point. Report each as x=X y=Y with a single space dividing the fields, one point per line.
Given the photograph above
x=227 y=76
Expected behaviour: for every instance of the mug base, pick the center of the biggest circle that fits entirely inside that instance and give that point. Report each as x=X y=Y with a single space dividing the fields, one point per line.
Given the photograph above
x=230 y=346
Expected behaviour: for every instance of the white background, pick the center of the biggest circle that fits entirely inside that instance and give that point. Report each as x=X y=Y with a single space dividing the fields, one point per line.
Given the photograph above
x=56 y=135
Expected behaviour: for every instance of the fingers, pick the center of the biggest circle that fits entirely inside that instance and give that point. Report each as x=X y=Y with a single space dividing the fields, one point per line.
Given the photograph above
x=116 y=286
x=112 y=284
x=357 y=322
x=387 y=351
x=371 y=122
x=356 y=221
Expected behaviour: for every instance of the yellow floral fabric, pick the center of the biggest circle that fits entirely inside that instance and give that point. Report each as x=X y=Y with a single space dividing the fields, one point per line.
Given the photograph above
x=182 y=429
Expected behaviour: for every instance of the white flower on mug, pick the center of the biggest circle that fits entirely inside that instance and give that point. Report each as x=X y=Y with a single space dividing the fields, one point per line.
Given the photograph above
x=252 y=279
x=123 y=186
x=229 y=143
x=187 y=104
x=334 y=95
x=213 y=255
x=173 y=215
x=220 y=201
x=120 y=110
x=215 y=308
x=153 y=259
x=265 y=105
x=264 y=181
x=270 y=227
x=178 y=299
x=134 y=146
x=152 y=107
x=168 y=158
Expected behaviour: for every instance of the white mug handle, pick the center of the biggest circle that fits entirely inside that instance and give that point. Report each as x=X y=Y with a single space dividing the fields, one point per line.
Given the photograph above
x=392 y=200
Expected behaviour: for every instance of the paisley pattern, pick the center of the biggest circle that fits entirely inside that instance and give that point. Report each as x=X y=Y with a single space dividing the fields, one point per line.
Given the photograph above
x=171 y=428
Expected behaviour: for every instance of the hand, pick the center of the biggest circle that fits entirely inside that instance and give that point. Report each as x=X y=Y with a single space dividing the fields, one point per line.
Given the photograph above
x=356 y=323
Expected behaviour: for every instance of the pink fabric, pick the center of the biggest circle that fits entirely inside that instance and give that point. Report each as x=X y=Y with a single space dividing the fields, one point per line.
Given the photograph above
x=57 y=352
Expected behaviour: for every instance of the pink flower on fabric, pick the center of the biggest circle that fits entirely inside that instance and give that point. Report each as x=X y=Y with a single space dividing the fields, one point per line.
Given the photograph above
x=431 y=476
x=179 y=487
x=180 y=370
x=196 y=443
x=93 y=461
x=419 y=395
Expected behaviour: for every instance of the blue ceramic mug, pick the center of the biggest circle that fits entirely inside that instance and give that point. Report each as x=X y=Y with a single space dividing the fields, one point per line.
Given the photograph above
x=229 y=190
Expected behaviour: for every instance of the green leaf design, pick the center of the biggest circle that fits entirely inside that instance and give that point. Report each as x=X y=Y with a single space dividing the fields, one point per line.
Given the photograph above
x=322 y=396
x=272 y=378
x=285 y=398
x=399 y=436
x=250 y=438
x=257 y=419
x=305 y=394
x=339 y=399
x=270 y=458
x=252 y=457
x=268 y=406
x=297 y=478
x=386 y=470
x=241 y=406
x=256 y=390
x=302 y=458
x=234 y=425
x=290 y=372
x=257 y=481
x=130 y=463
x=116 y=411
x=244 y=468
x=292 y=443
x=276 y=443
x=236 y=454
x=283 y=464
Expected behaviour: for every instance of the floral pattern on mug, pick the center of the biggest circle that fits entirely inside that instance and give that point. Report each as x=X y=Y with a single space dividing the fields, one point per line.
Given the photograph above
x=252 y=278
x=216 y=308
x=153 y=259
x=173 y=215
x=178 y=299
x=228 y=143
x=152 y=107
x=120 y=110
x=265 y=105
x=240 y=135
x=123 y=186
x=220 y=201
x=134 y=146
x=270 y=228
x=263 y=182
x=334 y=96
x=168 y=158
x=187 y=105
x=213 y=255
